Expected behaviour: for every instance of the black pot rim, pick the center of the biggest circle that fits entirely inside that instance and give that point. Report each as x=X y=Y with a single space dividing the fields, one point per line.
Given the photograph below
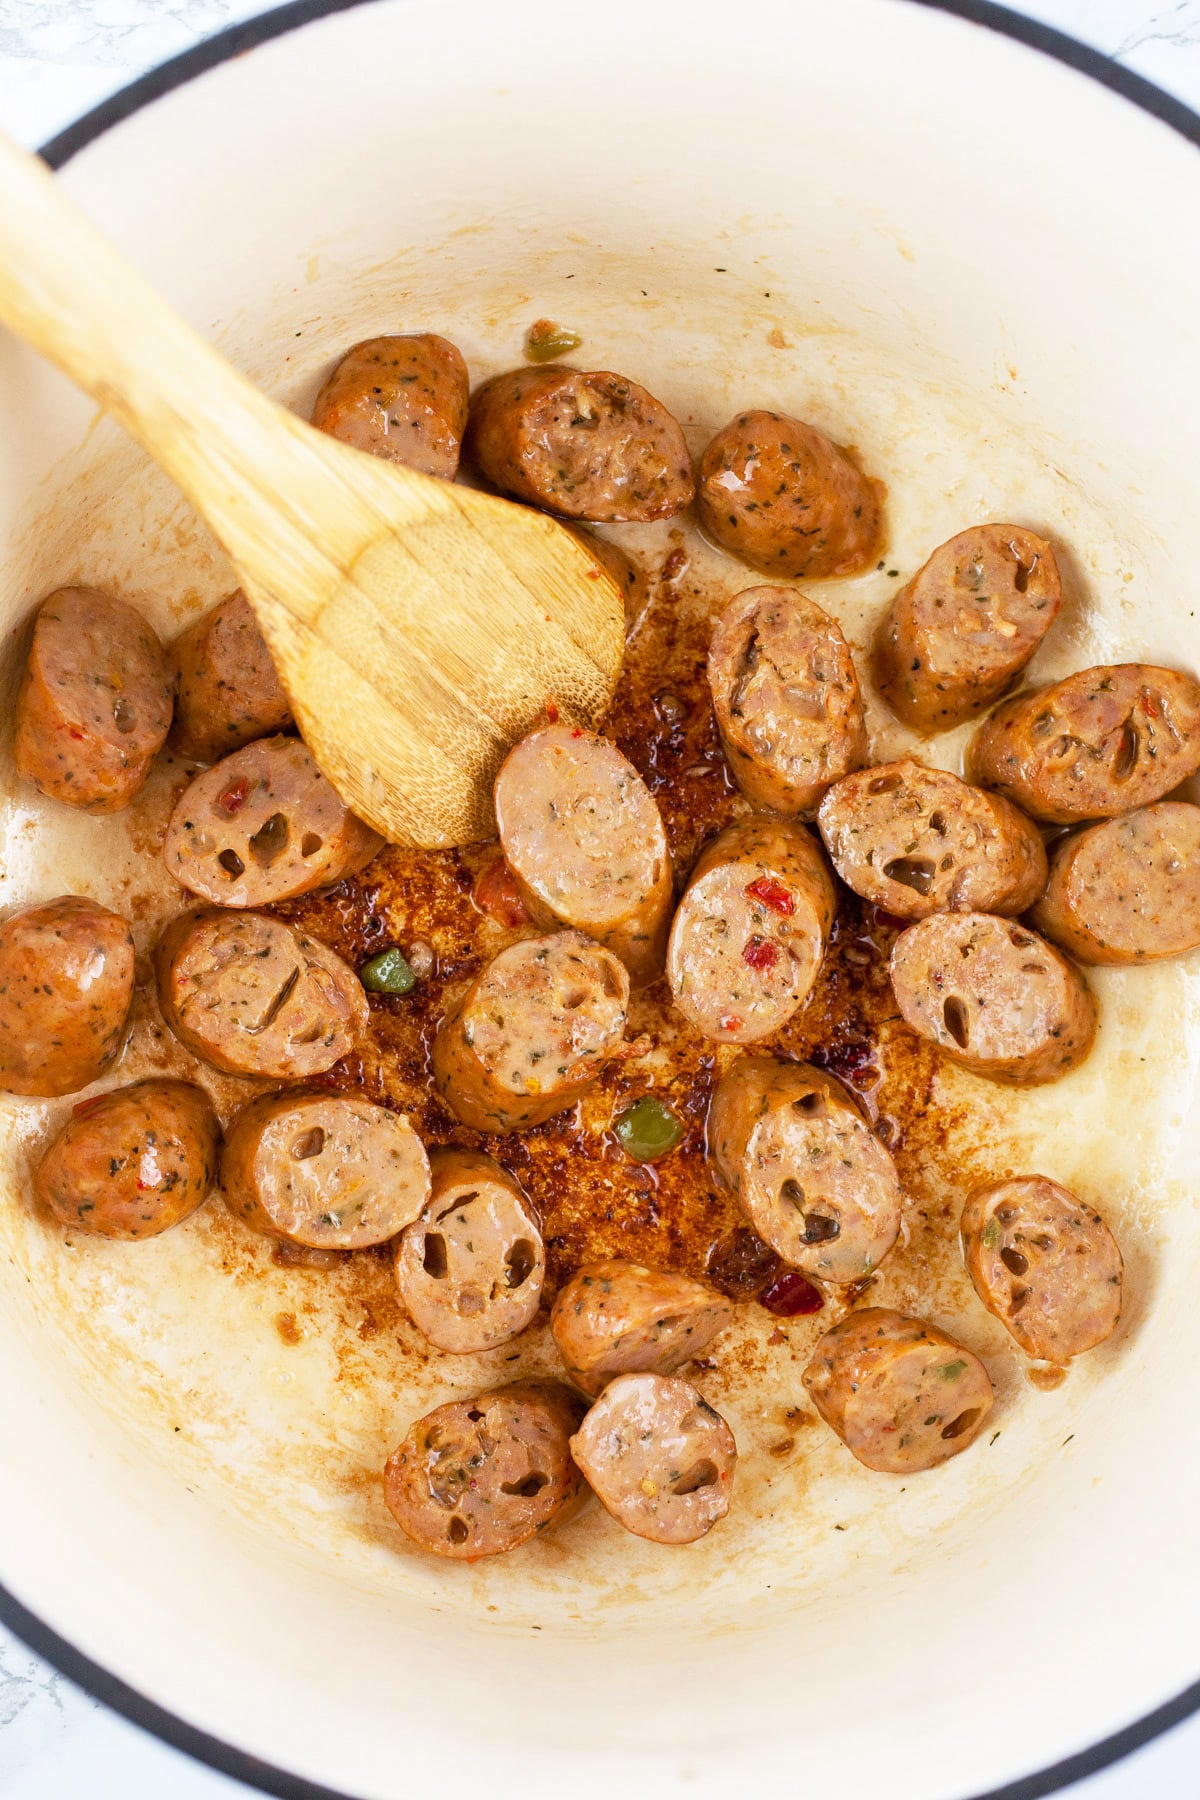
x=97 y=1681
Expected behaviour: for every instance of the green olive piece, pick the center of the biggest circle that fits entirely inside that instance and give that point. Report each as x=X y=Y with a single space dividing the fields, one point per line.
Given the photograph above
x=648 y=1129
x=544 y=341
x=387 y=973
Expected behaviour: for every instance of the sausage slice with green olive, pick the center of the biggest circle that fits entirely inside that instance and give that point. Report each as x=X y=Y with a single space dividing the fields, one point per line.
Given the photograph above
x=1045 y=1263
x=618 y=1318
x=900 y=1394
x=470 y=1269
x=806 y=1168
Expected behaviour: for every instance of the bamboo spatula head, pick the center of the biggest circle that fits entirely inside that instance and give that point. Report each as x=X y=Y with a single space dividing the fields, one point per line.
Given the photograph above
x=420 y=627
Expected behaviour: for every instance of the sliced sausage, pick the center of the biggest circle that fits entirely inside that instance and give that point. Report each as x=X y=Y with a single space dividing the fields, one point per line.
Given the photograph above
x=658 y=1457
x=253 y=996
x=1126 y=890
x=1045 y=1264
x=786 y=698
x=900 y=1394
x=786 y=499
x=996 y=997
x=532 y=1032
x=264 y=825
x=227 y=691
x=133 y=1162
x=470 y=1269
x=402 y=398
x=66 y=986
x=749 y=934
x=94 y=706
x=629 y=576
x=1099 y=743
x=806 y=1168
x=618 y=1318
x=960 y=632
x=585 y=445
x=917 y=841
x=585 y=840
x=330 y=1170
x=478 y=1477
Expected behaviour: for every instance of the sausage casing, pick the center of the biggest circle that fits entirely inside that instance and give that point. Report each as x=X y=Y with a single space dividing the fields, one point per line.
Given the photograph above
x=66 y=987
x=585 y=840
x=916 y=840
x=1102 y=742
x=900 y=1394
x=132 y=1162
x=94 y=705
x=807 y=1170
x=994 y=996
x=786 y=697
x=959 y=633
x=1045 y=1264
x=618 y=1318
x=749 y=934
x=786 y=499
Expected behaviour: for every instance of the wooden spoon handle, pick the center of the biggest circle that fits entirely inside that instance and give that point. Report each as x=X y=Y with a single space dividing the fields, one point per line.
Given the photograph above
x=245 y=463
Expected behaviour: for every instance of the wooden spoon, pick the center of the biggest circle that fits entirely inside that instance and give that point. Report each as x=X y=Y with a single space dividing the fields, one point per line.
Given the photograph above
x=419 y=627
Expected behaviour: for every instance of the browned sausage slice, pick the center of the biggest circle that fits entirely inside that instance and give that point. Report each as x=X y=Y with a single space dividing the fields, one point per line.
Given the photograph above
x=94 y=706
x=402 y=398
x=917 y=841
x=330 y=1170
x=253 y=996
x=532 y=1032
x=1127 y=890
x=132 y=1162
x=1045 y=1264
x=658 y=1457
x=995 y=997
x=960 y=632
x=808 y=1172
x=478 y=1477
x=66 y=986
x=1099 y=743
x=900 y=1394
x=227 y=691
x=264 y=825
x=786 y=698
x=787 y=500
x=470 y=1269
x=583 y=837
x=748 y=937
x=585 y=445
x=618 y=1318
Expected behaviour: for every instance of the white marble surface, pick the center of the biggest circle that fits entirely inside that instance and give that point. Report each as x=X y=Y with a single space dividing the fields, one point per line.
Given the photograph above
x=57 y=58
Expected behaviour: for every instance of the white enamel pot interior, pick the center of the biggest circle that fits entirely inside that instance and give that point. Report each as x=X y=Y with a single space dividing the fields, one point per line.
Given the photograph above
x=982 y=267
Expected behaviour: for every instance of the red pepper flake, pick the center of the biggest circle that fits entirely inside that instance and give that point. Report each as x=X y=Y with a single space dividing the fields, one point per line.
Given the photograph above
x=760 y=953
x=234 y=797
x=496 y=893
x=144 y=1187
x=730 y=1022
x=774 y=894
x=790 y=1295
x=76 y=734
x=578 y=732
x=552 y=712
